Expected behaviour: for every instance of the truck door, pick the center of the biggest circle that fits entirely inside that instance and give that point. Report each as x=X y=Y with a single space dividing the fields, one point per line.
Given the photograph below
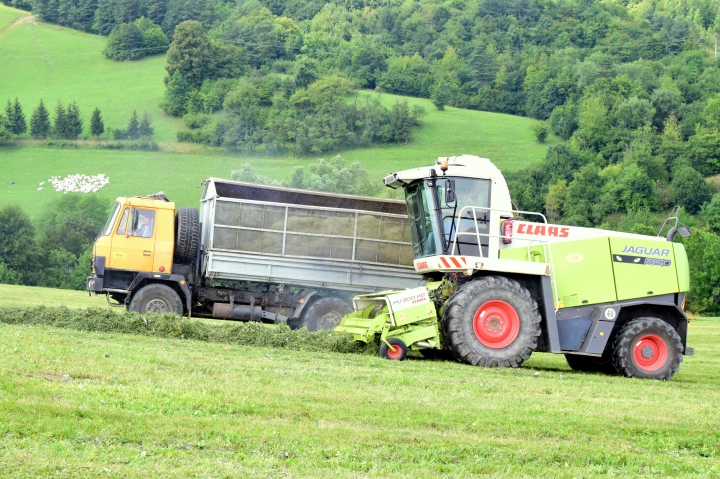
x=133 y=243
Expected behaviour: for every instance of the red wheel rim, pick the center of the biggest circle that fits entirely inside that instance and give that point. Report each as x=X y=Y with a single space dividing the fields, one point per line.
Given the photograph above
x=650 y=352
x=394 y=351
x=496 y=324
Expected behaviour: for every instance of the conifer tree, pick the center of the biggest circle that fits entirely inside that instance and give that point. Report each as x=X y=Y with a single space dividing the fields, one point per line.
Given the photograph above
x=60 y=126
x=133 y=128
x=73 y=121
x=145 y=130
x=17 y=118
x=104 y=17
x=9 y=114
x=97 y=127
x=40 y=122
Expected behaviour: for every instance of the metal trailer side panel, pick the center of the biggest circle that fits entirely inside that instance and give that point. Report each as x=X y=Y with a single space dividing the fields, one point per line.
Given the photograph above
x=321 y=241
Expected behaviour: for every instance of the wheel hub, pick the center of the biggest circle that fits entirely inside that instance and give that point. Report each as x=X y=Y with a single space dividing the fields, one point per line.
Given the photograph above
x=496 y=324
x=328 y=321
x=156 y=305
x=650 y=352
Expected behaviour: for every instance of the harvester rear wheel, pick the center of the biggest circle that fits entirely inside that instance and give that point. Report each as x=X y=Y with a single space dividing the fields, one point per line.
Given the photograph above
x=324 y=314
x=647 y=348
x=492 y=321
x=397 y=351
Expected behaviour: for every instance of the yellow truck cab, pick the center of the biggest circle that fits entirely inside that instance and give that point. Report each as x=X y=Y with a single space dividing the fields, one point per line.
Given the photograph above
x=139 y=236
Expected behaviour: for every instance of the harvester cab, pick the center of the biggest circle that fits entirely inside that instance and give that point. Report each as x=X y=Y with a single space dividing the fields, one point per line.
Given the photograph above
x=504 y=283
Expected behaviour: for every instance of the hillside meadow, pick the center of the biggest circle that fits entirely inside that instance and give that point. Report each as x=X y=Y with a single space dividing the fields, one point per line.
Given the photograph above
x=51 y=62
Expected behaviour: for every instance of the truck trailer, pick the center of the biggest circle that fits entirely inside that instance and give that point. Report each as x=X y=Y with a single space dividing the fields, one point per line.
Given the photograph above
x=503 y=283
x=252 y=253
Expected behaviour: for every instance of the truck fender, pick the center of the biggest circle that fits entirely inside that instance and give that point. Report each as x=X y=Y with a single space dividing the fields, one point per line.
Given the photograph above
x=173 y=280
x=304 y=302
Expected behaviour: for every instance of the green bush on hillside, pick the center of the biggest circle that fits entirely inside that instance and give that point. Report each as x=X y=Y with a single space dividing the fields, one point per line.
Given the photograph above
x=131 y=41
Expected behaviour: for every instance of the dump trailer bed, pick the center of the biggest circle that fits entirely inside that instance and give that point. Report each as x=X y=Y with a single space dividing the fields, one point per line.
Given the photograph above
x=303 y=238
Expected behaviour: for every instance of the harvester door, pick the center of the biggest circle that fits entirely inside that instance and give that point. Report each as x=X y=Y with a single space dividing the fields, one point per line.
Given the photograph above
x=643 y=268
x=133 y=243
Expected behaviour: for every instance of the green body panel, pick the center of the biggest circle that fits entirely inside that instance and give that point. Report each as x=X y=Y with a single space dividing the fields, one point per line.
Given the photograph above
x=682 y=267
x=643 y=268
x=407 y=315
x=583 y=272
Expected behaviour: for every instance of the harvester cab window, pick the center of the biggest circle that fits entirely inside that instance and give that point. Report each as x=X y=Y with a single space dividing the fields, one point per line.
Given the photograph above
x=465 y=220
x=423 y=222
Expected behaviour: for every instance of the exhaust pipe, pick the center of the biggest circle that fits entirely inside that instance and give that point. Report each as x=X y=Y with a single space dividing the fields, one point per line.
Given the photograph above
x=244 y=312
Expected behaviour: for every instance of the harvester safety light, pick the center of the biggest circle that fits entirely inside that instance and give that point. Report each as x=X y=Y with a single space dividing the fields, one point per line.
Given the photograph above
x=444 y=166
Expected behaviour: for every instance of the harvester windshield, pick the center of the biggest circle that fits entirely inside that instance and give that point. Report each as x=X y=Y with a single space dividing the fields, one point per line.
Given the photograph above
x=448 y=213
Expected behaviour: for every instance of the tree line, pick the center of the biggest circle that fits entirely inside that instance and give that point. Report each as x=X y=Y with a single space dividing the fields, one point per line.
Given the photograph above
x=56 y=252
x=68 y=123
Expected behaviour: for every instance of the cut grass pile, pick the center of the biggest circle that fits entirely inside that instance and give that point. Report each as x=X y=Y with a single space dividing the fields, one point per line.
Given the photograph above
x=88 y=404
x=171 y=326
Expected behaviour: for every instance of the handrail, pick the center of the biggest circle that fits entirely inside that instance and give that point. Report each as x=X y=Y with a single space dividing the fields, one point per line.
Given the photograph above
x=547 y=251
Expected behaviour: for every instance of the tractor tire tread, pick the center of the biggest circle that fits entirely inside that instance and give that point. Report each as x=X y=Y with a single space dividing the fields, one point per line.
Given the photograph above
x=456 y=336
x=623 y=348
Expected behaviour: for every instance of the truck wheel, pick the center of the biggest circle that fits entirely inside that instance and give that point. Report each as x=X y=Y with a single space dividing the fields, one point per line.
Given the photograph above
x=647 y=348
x=324 y=314
x=492 y=321
x=397 y=350
x=187 y=235
x=591 y=364
x=156 y=298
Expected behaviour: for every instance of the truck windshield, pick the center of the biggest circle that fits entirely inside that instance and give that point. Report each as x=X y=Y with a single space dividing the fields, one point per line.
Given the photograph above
x=111 y=220
x=436 y=222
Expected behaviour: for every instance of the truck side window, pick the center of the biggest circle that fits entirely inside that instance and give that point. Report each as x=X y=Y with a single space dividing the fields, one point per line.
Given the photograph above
x=143 y=222
x=123 y=222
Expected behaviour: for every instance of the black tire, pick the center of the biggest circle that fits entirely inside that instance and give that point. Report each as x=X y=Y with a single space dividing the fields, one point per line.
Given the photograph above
x=187 y=235
x=398 y=353
x=516 y=328
x=324 y=314
x=156 y=298
x=647 y=348
x=591 y=364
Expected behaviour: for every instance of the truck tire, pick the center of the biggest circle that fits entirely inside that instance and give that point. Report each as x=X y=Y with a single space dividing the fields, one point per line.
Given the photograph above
x=647 y=348
x=493 y=322
x=324 y=314
x=156 y=298
x=591 y=364
x=187 y=235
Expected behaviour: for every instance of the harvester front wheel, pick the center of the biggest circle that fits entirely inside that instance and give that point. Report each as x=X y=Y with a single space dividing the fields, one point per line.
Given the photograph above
x=324 y=314
x=647 y=348
x=397 y=351
x=492 y=321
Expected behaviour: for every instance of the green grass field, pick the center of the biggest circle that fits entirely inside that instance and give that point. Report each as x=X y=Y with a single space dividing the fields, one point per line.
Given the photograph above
x=75 y=404
x=51 y=62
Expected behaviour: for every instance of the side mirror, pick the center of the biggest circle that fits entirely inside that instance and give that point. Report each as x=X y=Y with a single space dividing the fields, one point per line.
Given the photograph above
x=684 y=232
x=449 y=191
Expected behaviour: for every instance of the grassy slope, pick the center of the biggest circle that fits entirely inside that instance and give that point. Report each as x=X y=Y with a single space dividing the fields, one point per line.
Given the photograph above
x=50 y=62
x=115 y=405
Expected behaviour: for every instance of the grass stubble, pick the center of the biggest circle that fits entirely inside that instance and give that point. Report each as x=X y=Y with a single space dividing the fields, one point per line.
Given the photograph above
x=76 y=401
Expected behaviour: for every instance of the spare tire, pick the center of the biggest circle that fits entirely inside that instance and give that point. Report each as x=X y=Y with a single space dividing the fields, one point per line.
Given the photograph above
x=187 y=235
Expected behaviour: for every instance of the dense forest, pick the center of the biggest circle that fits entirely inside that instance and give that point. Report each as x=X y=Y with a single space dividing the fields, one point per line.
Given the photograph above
x=632 y=86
